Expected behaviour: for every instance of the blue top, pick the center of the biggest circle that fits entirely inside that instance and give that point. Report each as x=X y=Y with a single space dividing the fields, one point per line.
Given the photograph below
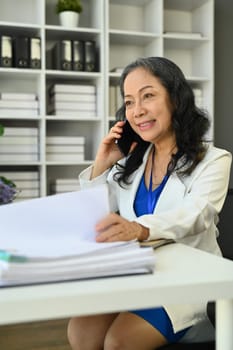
x=145 y=200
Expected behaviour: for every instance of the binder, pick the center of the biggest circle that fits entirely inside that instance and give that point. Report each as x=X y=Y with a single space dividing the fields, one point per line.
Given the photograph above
x=21 y=52
x=35 y=53
x=78 y=55
x=90 y=56
x=6 y=51
x=62 y=55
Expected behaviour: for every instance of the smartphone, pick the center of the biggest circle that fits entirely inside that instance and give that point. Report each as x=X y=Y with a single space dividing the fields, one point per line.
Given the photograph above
x=128 y=136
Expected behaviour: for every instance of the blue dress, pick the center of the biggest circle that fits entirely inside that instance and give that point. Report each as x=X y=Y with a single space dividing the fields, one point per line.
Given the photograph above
x=144 y=203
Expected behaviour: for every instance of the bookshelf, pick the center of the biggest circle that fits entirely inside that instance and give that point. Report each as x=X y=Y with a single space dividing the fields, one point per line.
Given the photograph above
x=182 y=30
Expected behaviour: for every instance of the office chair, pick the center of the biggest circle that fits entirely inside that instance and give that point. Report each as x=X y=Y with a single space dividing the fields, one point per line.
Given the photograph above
x=225 y=241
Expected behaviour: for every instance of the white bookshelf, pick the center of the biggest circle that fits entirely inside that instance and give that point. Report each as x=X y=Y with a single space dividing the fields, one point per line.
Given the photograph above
x=122 y=31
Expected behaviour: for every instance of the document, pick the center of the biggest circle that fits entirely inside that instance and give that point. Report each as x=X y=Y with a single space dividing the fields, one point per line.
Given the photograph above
x=53 y=238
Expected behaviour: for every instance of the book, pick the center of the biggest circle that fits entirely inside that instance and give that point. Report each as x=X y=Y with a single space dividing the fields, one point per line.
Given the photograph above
x=18 y=96
x=53 y=239
x=18 y=148
x=65 y=157
x=73 y=105
x=64 y=148
x=18 y=140
x=112 y=100
x=27 y=184
x=65 y=140
x=73 y=88
x=74 y=97
x=61 y=181
x=21 y=175
x=20 y=131
x=79 y=114
x=18 y=157
x=64 y=188
x=16 y=104
x=18 y=113
x=28 y=192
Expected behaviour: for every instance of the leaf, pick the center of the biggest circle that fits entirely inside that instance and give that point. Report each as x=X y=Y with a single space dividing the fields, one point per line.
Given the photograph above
x=1 y=129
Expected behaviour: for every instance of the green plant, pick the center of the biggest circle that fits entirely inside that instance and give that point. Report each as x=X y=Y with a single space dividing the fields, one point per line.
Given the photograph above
x=1 y=130
x=69 y=5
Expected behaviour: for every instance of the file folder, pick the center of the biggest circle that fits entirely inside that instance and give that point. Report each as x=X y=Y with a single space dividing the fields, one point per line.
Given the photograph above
x=78 y=55
x=35 y=53
x=62 y=55
x=90 y=56
x=6 y=51
x=21 y=52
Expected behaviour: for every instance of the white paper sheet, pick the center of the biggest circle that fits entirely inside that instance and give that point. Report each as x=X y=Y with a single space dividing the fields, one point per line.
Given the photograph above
x=53 y=225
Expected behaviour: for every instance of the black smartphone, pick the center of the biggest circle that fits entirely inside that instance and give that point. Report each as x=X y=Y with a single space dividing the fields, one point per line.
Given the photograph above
x=128 y=136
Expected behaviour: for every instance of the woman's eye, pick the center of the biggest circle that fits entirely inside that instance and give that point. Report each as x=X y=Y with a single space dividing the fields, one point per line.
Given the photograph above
x=148 y=95
x=128 y=103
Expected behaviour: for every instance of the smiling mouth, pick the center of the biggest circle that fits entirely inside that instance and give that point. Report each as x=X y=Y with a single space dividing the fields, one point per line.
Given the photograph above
x=146 y=125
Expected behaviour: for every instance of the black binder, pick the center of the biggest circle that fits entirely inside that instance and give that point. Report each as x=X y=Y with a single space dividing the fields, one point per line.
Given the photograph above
x=78 y=55
x=90 y=56
x=62 y=55
x=21 y=52
x=35 y=53
x=6 y=51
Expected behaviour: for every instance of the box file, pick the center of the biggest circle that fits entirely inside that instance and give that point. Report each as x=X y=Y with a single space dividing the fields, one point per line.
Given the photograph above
x=21 y=52
x=6 y=51
x=78 y=55
x=62 y=55
x=35 y=53
x=90 y=56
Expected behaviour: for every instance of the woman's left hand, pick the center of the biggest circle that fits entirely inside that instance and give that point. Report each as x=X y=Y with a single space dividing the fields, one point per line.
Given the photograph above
x=115 y=228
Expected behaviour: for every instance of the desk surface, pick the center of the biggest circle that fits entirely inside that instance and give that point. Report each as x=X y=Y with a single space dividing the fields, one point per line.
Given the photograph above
x=182 y=274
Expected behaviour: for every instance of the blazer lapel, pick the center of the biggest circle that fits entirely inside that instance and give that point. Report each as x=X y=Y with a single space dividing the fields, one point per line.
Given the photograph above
x=172 y=194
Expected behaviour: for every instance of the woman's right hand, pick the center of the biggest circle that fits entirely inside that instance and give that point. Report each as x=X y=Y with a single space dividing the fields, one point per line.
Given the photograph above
x=108 y=152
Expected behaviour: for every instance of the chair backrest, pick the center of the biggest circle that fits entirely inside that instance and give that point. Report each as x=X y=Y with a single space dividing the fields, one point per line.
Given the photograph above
x=225 y=226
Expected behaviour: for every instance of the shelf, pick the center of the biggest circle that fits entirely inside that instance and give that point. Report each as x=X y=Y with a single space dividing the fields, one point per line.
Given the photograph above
x=122 y=30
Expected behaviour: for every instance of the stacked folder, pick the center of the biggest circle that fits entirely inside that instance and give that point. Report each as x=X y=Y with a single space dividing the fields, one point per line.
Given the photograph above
x=20 y=52
x=76 y=55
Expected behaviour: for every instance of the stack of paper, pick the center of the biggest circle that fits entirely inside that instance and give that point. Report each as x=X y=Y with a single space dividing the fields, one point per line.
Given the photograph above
x=53 y=239
x=19 y=144
x=18 y=104
x=65 y=185
x=78 y=101
x=27 y=183
x=65 y=148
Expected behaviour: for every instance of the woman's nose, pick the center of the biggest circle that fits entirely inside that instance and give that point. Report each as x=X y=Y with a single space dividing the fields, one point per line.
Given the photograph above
x=139 y=109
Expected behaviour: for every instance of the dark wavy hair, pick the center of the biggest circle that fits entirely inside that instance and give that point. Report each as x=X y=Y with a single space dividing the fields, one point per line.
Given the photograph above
x=189 y=123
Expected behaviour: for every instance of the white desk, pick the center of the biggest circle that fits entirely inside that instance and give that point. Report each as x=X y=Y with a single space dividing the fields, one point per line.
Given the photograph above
x=183 y=274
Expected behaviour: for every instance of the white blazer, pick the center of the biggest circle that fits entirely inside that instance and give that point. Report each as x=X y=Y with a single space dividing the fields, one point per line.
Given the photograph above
x=187 y=211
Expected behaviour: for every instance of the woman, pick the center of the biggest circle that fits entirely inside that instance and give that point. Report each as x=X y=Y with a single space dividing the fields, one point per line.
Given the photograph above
x=171 y=185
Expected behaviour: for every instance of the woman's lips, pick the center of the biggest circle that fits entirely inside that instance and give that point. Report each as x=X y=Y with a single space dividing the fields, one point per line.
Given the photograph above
x=146 y=125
